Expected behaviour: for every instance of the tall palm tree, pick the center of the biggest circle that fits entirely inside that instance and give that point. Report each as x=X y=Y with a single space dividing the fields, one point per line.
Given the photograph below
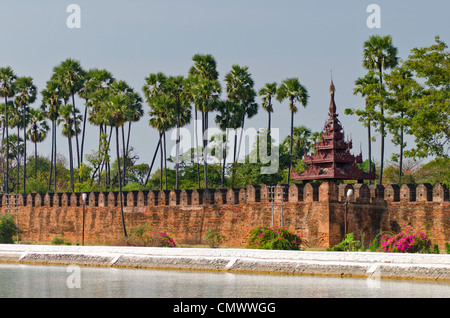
x=295 y=92
x=94 y=81
x=240 y=90
x=205 y=89
x=7 y=78
x=37 y=132
x=160 y=119
x=25 y=95
x=268 y=92
x=176 y=90
x=96 y=90
x=51 y=102
x=69 y=130
x=367 y=87
x=16 y=121
x=115 y=110
x=132 y=112
x=380 y=54
x=229 y=115
x=71 y=76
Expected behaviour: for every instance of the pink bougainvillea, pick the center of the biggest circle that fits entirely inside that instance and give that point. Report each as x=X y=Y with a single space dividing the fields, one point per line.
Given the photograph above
x=406 y=242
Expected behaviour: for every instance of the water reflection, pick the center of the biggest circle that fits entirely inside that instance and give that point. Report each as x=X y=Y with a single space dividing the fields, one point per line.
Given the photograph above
x=33 y=281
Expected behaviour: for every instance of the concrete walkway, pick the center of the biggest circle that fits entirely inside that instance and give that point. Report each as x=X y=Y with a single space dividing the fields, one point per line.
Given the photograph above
x=354 y=264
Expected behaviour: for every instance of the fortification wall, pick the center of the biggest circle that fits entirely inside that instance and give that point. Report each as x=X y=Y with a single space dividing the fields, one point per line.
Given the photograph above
x=314 y=211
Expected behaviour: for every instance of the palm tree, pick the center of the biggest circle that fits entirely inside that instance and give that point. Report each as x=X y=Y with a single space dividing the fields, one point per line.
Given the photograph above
x=159 y=117
x=69 y=130
x=95 y=80
x=205 y=89
x=367 y=86
x=380 y=54
x=204 y=65
x=115 y=110
x=132 y=112
x=176 y=89
x=51 y=103
x=37 y=132
x=16 y=121
x=240 y=90
x=292 y=89
x=71 y=76
x=229 y=115
x=7 y=78
x=268 y=92
x=96 y=91
x=25 y=95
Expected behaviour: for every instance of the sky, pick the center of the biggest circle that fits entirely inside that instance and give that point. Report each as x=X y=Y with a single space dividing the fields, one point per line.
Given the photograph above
x=275 y=39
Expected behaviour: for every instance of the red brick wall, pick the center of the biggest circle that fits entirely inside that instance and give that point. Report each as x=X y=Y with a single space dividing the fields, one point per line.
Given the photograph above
x=314 y=212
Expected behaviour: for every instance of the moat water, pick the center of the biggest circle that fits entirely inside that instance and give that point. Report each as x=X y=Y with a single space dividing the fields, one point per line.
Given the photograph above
x=35 y=281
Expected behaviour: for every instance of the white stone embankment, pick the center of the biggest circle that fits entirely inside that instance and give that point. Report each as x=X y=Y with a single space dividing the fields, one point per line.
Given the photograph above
x=354 y=264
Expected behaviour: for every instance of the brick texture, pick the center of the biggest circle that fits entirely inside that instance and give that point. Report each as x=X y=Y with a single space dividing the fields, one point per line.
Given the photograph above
x=316 y=212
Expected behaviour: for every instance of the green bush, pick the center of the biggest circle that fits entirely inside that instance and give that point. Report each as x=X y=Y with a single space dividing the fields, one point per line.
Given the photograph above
x=8 y=229
x=57 y=240
x=213 y=238
x=348 y=244
x=146 y=235
x=447 y=248
x=264 y=237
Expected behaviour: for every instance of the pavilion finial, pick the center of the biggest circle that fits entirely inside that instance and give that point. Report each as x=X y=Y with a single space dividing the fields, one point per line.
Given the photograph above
x=332 y=88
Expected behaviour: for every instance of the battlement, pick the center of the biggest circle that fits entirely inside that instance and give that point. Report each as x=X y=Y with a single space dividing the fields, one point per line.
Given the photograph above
x=308 y=192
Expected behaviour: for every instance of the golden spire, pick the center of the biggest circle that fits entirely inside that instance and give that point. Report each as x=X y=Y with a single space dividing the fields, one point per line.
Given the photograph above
x=332 y=88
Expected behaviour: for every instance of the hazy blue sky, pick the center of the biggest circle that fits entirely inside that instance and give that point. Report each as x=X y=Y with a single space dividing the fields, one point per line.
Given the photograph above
x=275 y=39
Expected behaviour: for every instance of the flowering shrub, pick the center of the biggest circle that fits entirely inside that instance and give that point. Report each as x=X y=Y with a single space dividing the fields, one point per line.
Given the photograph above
x=406 y=242
x=146 y=235
x=264 y=237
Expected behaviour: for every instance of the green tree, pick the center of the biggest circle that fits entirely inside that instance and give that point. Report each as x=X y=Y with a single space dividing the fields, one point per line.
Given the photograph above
x=295 y=92
x=380 y=54
x=176 y=90
x=51 y=103
x=115 y=111
x=301 y=145
x=160 y=116
x=69 y=130
x=71 y=76
x=7 y=78
x=402 y=88
x=25 y=95
x=268 y=93
x=430 y=123
x=37 y=132
x=367 y=87
x=204 y=88
x=97 y=89
x=95 y=81
x=240 y=91
x=229 y=115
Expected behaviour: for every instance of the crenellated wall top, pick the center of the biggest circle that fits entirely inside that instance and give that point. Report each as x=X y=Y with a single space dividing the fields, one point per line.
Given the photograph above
x=308 y=192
